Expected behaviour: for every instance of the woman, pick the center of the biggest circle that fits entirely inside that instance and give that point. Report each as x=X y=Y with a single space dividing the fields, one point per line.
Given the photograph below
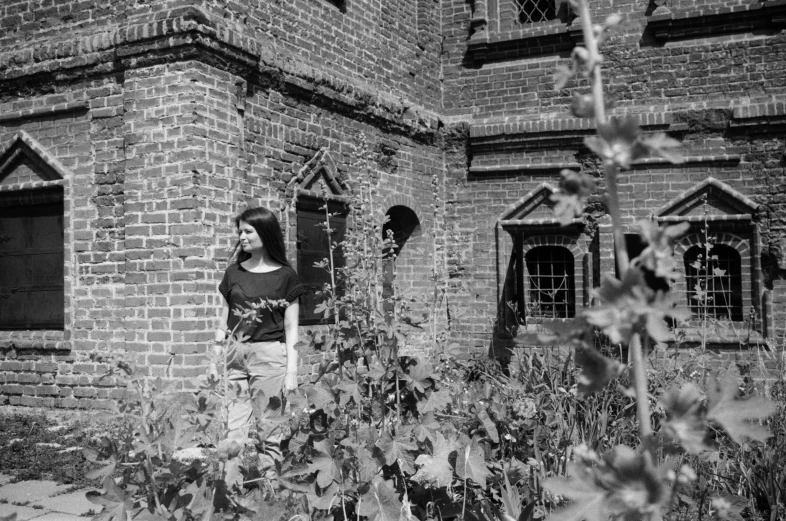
x=265 y=360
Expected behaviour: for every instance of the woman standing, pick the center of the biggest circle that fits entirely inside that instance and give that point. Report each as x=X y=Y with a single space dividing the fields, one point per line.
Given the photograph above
x=265 y=360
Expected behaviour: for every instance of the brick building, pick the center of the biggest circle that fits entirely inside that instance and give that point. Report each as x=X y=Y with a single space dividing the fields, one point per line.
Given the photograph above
x=132 y=131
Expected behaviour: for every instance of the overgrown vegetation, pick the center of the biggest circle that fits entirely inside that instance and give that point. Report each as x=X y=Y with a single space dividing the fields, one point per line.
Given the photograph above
x=569 y=430
x=33 y=446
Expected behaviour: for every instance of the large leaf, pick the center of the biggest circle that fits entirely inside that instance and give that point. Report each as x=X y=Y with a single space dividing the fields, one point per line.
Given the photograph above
x=436 y=468
x=380 y=503
x=437 y=401
x=736 y=416
x=420 y=375
x=470 y=464
x=323 y=463
x=426 y=427
x=397 y=450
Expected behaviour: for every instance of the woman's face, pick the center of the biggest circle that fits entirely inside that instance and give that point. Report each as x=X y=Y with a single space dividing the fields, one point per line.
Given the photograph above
x=249 y=238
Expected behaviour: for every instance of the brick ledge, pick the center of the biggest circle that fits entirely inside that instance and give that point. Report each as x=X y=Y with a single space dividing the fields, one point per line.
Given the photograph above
x=30 y=339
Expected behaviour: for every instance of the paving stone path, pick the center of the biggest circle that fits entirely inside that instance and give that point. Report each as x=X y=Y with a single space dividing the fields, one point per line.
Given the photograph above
x=43 y=501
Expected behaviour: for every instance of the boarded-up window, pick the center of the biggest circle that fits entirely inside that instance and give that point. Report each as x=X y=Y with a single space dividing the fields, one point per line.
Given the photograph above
x=313 y=248
x=31 y=266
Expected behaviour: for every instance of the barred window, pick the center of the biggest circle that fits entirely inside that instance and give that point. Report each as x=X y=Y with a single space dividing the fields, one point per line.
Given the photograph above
x=714 y=283
x=552 y=291
x=532 y=11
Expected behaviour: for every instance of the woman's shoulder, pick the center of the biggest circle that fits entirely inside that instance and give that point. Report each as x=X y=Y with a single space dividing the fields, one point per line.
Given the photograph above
x=288 y=271
x=232 y=269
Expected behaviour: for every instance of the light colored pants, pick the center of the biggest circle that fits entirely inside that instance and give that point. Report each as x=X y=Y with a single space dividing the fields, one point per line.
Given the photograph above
x=256 y=373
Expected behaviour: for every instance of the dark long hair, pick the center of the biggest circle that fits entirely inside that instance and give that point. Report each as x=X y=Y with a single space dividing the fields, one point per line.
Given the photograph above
x=266 y=224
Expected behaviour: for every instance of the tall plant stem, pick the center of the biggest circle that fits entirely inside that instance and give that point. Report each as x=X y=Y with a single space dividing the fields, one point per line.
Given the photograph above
x=640 y=385
x=333 y=290
x=596 y=79
x=613 y=200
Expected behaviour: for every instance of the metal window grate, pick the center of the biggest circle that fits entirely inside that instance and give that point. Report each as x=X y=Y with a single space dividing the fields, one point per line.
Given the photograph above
x=714 y=284
x=532 y=11
x=551 y=282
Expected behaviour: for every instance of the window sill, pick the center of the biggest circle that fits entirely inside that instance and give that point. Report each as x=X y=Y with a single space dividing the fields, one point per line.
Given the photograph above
x=684 y=24
x=35 y=339
x=539 y=39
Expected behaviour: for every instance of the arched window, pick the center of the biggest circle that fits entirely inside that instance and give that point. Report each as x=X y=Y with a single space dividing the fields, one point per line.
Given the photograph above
x=552 y=292
x=714 y=281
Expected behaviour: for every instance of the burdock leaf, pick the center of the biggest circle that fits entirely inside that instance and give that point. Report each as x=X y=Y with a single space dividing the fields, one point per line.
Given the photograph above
x=737 y=416
x=686 y=417
x=380 y=503
x=596 y=370
x=470 y=464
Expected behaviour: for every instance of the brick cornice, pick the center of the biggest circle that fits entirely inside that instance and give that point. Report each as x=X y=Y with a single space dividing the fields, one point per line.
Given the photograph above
x=191 y=34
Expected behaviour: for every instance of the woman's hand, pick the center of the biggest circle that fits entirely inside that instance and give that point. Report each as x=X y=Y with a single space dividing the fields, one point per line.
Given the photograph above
x=290 y=381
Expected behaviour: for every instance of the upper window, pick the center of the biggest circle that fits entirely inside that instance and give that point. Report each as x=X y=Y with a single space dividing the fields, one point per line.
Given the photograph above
x=313 y=249
x=550 y=277
x=531 y=11
x=714 y=281
x=31 y=266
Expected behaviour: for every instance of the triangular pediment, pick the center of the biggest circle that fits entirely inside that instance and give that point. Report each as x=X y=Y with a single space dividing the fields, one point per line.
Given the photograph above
x=721 y=200
x=24 y=160
x=535 y=206
x=319 y=175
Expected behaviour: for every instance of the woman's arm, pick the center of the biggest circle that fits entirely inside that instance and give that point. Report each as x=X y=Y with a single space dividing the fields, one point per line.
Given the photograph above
x=290 y=332
x=219 y=336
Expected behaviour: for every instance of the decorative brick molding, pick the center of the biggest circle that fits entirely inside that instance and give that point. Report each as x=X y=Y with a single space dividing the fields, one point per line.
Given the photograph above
x=763 y=117
x=717 y=20
x=11 y=114
x=24 y=145
x=691 y=198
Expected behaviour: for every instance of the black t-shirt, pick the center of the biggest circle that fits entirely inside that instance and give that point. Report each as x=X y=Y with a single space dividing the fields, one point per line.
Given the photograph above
x=241 y=287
